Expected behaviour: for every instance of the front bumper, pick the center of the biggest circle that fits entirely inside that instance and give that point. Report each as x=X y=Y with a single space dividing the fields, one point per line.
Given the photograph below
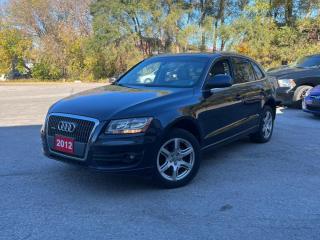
x=284 y=95
x=311 y=106
x=112 y=153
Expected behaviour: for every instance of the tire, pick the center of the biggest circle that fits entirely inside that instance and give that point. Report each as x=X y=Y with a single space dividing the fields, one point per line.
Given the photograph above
x=299 y=94
x=173 y=170
x=266 y=125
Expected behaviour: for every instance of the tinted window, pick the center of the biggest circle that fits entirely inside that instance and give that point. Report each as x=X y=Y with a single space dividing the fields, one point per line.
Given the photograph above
x=258 y=71
x=308 y=62
x=243 y=71
x=220 y=67
x=166 y=71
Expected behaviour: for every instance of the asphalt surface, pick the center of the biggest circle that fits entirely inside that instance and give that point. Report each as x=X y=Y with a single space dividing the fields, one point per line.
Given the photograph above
x=243 y=190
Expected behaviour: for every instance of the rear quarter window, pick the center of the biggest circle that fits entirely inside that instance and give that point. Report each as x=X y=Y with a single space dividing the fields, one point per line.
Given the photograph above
x=243 y=70
x=258 y=71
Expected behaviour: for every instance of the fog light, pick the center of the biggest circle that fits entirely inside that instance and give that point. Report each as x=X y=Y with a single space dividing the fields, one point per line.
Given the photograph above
x=129 y=158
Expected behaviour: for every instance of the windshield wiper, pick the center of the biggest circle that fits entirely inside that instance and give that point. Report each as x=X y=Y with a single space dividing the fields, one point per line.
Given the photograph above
x=118 y=84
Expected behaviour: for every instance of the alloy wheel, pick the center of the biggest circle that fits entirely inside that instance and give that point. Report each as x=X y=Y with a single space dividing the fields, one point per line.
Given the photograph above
x=175 y=159
x=267 y=125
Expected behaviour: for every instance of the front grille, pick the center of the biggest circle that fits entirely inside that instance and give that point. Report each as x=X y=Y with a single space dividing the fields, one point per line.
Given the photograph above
x=315 y=97
x=82 y=131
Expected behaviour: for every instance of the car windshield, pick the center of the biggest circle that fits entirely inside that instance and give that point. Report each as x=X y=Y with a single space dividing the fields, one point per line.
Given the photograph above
x=308 y=62
x=175 y=71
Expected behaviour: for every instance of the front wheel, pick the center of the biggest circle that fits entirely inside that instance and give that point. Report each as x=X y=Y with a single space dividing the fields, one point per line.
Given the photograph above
x=265 y=131
x=177 y=159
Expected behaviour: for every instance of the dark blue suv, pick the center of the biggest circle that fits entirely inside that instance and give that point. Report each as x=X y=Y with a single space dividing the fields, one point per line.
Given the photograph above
x=158 y=117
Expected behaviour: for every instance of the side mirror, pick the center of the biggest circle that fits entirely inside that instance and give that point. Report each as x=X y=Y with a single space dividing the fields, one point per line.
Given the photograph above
x=115 y=78
x=219 y=81
x=112 y=80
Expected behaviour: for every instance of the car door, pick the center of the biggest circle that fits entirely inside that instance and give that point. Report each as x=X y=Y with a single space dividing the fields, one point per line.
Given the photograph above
x=260 y=87
x=220 y=112
x=250 y=88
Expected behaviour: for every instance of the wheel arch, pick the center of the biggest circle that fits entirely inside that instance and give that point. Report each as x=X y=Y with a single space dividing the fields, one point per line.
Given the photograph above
x=311 y=84
x=271 y=102
x=188 y=124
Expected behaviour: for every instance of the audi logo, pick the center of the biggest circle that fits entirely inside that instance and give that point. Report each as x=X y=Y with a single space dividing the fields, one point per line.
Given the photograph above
x=66 y=126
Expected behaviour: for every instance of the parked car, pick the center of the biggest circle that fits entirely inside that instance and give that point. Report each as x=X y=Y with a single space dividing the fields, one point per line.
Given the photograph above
x=15 y=74
x=195 y=102
x=296 y=80
x=311 y=102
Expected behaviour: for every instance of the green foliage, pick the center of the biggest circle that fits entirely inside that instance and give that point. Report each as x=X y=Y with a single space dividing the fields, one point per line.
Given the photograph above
x=46 y=71
x=260 y=36
x=103 y=61
x=103 y=38
x=14 y=49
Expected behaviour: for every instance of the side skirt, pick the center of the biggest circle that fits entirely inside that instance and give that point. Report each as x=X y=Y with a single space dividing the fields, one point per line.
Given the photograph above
x=231 y=138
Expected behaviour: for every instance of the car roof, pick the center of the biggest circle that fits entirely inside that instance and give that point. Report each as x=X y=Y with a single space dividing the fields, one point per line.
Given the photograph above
x=204 y=54
x=314 y=55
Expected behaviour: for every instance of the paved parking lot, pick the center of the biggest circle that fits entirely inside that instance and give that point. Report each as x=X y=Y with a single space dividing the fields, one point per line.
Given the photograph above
x=243 y=191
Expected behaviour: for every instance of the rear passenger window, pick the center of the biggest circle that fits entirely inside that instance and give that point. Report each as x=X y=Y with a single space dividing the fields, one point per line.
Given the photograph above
x=243 y=71
x=220 y=67
x=258 y=71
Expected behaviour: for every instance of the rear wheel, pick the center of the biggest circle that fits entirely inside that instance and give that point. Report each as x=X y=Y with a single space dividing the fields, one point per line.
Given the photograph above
x=299 y=94
x=177 y=159
x=265 y=131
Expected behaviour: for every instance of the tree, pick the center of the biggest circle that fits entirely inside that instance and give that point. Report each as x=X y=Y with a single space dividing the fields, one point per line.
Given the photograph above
x=14 y=50
x=58 y=29
x=260 y=35
x=99 y=38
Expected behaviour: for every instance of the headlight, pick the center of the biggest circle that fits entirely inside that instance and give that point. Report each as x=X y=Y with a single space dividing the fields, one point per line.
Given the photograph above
x=289 y=83
x=308 y=93
x=128 y=126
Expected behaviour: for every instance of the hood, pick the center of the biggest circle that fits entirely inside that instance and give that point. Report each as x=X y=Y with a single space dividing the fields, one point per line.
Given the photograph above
x=292 y=72
x=315 y=91
x=113 y=101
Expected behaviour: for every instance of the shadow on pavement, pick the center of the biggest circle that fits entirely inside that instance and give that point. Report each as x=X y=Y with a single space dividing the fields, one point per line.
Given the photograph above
x=21 y=155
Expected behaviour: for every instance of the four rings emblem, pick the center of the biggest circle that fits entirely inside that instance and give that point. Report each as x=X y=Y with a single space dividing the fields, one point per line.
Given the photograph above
x=64 y=126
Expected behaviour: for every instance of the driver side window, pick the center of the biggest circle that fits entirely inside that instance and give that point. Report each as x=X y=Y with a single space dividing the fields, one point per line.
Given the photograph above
x=220 y=67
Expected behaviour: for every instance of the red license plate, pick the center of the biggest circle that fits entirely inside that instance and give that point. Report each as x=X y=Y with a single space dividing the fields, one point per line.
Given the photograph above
x=64 y=144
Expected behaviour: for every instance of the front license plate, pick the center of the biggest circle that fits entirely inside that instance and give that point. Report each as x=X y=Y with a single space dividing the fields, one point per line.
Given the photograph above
x=64 y=144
